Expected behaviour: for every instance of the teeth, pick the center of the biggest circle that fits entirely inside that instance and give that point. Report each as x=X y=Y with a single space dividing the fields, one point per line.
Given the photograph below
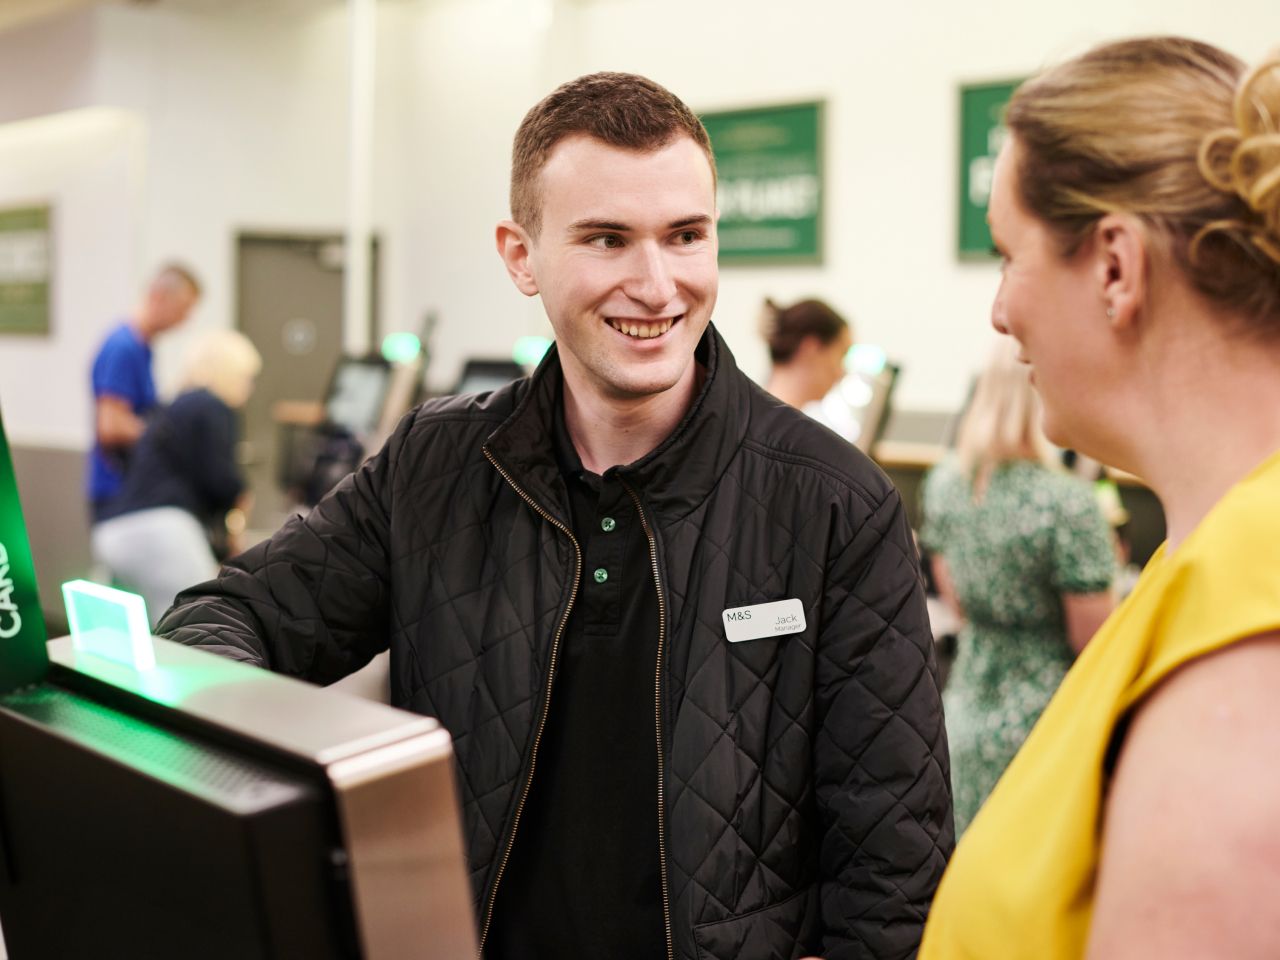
x=642 y=331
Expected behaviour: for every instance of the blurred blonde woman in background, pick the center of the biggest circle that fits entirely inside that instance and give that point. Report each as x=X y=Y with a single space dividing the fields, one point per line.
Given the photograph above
x=807 y=344
x=1137 y=209
x=1022 y=552
x=183 y=478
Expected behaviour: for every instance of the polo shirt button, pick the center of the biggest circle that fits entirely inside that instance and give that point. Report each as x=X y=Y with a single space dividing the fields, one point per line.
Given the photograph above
x=601 y=574
x=607 y=524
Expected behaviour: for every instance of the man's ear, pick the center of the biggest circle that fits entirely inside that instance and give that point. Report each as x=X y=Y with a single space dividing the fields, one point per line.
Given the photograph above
x=515 y=248
x=1123 y=265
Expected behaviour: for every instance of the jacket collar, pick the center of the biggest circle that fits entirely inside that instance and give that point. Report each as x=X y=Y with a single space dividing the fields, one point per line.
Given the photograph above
x=673 y=478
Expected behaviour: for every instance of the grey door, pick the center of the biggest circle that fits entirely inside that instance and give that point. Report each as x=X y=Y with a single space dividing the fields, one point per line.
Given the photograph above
x=289 y=303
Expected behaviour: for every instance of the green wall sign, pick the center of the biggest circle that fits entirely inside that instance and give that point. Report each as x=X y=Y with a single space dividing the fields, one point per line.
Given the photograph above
x=770 y=195
x=23 y=655
x=26 y=256
x=982 y=132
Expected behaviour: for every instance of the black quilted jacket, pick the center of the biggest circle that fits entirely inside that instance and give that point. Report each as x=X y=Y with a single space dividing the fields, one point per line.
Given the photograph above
x=804 y=791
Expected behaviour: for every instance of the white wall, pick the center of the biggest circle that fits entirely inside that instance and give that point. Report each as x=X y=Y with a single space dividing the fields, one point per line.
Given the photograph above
x=88 y=165
x=47 y=66
x=472 y=69
x=889 y=73
x=244 y=112
x=247 y=115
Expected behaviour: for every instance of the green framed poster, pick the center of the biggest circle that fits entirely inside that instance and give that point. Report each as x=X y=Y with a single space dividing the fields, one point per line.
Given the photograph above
x=982 y=132
x=26 y=258
x=770 y=193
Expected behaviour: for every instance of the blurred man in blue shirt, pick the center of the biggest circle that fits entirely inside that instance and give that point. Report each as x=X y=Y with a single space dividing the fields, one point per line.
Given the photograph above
x=123 y=386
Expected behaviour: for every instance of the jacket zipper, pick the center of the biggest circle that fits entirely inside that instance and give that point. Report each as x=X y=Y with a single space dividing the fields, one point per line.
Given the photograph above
x=657 y=720
x=546 y=701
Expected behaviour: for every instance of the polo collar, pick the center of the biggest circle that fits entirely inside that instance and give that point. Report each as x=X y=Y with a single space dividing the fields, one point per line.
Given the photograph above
x=673 y=478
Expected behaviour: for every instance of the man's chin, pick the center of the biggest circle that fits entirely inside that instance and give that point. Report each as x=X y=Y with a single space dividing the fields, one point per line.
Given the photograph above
x=637 y=385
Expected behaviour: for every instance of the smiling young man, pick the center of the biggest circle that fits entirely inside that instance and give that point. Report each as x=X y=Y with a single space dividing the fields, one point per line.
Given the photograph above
x=675 y=628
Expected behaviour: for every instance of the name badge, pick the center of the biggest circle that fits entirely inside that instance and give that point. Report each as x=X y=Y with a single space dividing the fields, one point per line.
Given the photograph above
x=775 y=619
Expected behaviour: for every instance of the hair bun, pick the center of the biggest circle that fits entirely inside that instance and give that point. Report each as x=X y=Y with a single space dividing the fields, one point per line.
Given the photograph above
x=1245 y=159
x=770 y=319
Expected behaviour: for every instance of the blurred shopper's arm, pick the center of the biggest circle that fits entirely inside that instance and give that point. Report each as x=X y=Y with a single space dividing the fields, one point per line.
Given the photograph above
x=115 y=422
x=1084 y=562
x=1084 y=614
x=312 y=601
x=942 y=491
x=1191 y=848
x=880 y=753
x=946 y=586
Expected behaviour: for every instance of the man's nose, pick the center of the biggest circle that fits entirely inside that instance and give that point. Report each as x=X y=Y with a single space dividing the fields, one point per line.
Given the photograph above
x=652 y=282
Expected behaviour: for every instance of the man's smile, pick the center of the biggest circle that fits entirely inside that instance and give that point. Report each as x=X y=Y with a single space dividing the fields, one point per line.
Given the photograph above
x=643 y=329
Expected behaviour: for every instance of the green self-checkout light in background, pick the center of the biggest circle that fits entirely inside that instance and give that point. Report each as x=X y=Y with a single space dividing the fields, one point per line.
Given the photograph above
x=529 y=351
x=24 y=658
x=401 y=347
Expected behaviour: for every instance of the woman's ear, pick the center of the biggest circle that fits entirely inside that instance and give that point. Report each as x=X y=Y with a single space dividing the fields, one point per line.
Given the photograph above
x=1122 y=260
x=515 y=247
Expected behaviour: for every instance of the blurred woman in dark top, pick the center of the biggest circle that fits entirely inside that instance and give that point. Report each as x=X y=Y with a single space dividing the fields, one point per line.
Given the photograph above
x=183 y=478
x=807 y=343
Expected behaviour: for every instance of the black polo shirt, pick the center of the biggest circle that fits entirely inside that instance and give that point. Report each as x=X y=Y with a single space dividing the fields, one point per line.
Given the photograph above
x=583 y=879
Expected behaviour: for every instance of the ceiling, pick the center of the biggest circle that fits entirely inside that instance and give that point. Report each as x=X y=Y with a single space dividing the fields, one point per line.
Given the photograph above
x=14 y=13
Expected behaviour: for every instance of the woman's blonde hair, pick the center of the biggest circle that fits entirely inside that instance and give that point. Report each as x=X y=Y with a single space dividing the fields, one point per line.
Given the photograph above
x=1002 y=423
x=224 y=362
x=1172 y=131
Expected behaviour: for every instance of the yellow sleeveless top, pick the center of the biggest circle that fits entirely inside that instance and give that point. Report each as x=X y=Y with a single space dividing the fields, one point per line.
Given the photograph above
x=1021 y=882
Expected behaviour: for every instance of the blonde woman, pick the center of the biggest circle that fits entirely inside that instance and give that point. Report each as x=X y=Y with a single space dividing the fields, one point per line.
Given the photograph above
x=1137 y=209
x=182 y=479
x=1022 y=552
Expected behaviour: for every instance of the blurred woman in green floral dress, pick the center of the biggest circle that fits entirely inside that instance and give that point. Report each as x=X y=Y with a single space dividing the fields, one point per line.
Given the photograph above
x=1023 y=553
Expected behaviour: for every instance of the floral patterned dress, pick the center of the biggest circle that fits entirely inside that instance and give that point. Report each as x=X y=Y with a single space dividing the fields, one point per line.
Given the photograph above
x=1035 y=535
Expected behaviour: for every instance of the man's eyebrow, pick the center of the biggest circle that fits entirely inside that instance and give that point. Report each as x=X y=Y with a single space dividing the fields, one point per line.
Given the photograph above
x=697 y=220
x=694 y=220
x=598 y=225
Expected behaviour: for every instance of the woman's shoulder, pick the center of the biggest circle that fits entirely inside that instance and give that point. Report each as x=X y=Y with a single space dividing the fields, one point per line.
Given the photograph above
x=1051 y=486
x=197 y=403
x=946 y=473
x=1219 y=585
x=1241 y=531
x=946 y=485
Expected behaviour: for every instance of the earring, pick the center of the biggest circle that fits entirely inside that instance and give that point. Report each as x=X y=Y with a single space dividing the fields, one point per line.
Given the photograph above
x=1111 y=313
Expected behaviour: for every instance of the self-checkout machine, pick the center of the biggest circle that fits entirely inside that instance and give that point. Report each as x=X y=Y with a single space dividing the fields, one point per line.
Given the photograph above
x=158 y=801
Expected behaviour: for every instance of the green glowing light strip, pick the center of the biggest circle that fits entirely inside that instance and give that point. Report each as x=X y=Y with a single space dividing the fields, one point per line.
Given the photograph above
x=23 y=656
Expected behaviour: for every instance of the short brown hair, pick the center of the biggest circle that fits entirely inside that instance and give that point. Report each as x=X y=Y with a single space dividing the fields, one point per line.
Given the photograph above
x=620 y=109
x=784 y=328
x=180 y=272
x=1173 y=131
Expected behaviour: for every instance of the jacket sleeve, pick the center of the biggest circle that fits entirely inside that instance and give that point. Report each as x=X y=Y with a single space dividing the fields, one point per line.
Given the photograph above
x=881 y=769
x=313 y=600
